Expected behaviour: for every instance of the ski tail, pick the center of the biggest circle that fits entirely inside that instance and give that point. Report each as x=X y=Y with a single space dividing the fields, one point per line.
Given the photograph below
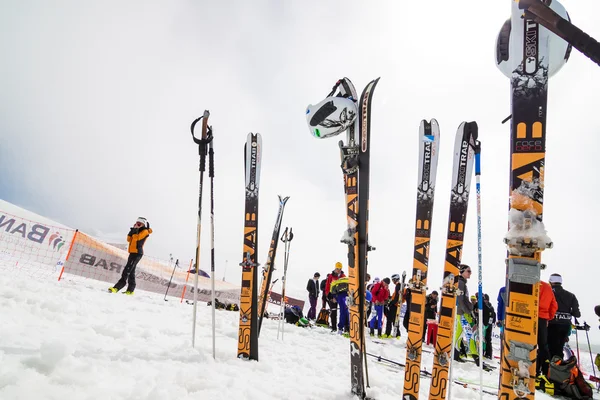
x=248 y=326
x=429 y=141
x=461 y=181
x=267 y=272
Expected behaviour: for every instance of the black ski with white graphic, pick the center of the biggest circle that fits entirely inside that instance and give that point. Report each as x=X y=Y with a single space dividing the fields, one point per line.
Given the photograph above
x=270 y=265
x=357 y=294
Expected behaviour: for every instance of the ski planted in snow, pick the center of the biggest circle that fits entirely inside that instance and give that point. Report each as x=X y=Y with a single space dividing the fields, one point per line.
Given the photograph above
x=336 y=114
x=270 y=265
x=357 y=276
x=462 y=170
x=429 y=142
x=248 y=328
x=528 y=54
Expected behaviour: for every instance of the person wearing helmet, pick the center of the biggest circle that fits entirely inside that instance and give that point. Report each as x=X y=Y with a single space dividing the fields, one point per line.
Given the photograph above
x=464 y=311
x=559 y=327
x=137 y=238
x=336 y=274
x=392 y=309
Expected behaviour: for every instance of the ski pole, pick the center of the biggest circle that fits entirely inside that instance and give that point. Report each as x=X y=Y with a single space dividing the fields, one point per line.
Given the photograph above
x=577 y=343
x=286 y=238
x=364 y=346
x=211 y=175
x=202 y=142
x=479 y=261
x=281 y=304
x=587 y=328
x=170 y=280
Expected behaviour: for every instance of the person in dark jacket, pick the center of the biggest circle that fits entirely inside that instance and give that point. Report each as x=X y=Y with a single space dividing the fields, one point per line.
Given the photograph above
x=136 y=237
x=407 y=298
x=323 y=296
x=313 y=295
x=431 y=306
x=501 y=309
x=392 y=308
x=559 y=328
x=489 y=320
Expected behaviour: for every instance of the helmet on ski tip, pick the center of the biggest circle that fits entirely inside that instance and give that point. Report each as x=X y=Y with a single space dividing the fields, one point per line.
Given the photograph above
x=331 y=116
x=509 y=45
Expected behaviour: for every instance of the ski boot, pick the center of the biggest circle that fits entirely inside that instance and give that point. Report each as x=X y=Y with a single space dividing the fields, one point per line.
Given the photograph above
x=112 y=290
x=129 y=293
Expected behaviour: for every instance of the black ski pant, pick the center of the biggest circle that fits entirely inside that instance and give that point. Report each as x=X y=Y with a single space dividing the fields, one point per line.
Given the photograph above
x=333 y=314
x=128 y=275
x=543 y=350
x=488 y=352
x=558 y=335
x=391 y=319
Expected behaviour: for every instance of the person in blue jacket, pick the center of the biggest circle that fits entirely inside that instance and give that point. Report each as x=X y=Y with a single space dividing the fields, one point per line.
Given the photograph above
x=501 y=303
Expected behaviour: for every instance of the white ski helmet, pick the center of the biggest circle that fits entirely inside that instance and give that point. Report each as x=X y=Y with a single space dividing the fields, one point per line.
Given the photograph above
x=331 y=116
x=509 y=44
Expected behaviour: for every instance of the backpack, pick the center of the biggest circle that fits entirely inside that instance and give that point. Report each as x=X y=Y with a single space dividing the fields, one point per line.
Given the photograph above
x=339 y=286
x=323 y=318
x=568 y=379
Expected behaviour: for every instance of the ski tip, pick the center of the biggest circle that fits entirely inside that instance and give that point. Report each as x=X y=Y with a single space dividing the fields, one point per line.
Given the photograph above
x=472 y=126
x=206 y=114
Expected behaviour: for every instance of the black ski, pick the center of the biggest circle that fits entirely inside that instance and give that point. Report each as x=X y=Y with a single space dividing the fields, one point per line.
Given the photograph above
x=270 y=265
x=357 y=278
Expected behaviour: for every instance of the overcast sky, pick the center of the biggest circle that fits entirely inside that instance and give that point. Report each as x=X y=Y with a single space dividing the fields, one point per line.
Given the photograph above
x=97 y=99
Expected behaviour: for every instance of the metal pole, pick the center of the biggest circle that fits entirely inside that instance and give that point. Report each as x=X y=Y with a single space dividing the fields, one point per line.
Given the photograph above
x=170 y=280
x=479 y=262
x=211 y=175
x=202 y=152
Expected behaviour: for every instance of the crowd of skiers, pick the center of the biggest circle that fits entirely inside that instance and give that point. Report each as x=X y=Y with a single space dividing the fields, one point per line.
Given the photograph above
x=382 y=302
x=557 y=307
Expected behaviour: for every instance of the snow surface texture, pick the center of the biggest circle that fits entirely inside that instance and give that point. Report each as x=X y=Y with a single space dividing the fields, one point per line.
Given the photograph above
x=64 y=340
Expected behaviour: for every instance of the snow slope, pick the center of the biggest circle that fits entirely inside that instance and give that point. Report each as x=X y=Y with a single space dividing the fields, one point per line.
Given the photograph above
x=68 y=340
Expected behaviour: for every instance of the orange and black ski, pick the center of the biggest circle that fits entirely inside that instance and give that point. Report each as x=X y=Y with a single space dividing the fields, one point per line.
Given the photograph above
x=429 y=142
x=464 y=152
x=528 y=54
x=248 y=328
